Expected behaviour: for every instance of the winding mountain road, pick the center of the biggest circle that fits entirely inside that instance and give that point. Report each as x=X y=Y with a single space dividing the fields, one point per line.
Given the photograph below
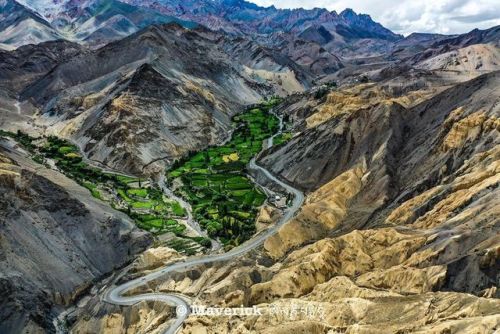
x=116 y=295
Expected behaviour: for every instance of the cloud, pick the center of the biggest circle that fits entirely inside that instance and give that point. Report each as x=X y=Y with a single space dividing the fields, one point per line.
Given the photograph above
x=407 y=16
x=485 y=16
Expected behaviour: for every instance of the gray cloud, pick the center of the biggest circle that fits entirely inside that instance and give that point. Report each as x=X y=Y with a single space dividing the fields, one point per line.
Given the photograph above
x=407 y=16
x=480 y=17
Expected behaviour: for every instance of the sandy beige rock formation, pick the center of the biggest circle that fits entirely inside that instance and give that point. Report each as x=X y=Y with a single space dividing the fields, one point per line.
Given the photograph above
x=404 y=237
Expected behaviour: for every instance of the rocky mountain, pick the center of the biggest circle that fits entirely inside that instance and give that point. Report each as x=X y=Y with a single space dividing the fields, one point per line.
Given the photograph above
x=173 y=84
x=423 y=55
x=104 y=21
x=415 y=43
x=21 y=67
x=314 y=39
x=475 y=36
x=333 y=31
x=443 y=45
x=317 y=34
x=56 y=241
x=97 y=22
x=477 y=58
x=20 y=25
x=238 y=16
x=308 y=53
x=423 y=177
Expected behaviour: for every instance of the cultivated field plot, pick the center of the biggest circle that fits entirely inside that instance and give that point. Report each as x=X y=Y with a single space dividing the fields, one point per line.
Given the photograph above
x=224 y=200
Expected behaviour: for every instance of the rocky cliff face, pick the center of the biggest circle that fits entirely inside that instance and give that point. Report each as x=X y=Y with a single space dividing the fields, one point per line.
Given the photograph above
x=410 y=150
x=55 y=242
x=26 y=64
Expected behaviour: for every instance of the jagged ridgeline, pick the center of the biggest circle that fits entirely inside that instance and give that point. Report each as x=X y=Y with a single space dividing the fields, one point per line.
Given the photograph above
x=225 y=201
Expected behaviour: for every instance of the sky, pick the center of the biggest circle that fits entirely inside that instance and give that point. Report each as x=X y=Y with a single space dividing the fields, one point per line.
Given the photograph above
x=407 y=16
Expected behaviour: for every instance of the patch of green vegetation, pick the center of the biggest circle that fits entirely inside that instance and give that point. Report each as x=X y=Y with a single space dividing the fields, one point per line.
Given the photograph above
x=205 y=242
x=126 y=179
x=67 y=149
x=177 y=209
x=141 y=192
x=282 y=138
x=123 y=195
x=184 y=246
x=93 y=189
x=214 y=181
x=158 y=225
x=38 y=158
x=145 y=205
x=22 y=138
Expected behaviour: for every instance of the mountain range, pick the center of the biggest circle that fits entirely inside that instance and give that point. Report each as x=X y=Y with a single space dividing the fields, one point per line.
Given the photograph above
x=89 y=22
x=95 y=22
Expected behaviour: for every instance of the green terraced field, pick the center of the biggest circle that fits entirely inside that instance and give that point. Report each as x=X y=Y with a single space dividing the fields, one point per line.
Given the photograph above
x=127 y=179
x=224 y=200
x=141 y=192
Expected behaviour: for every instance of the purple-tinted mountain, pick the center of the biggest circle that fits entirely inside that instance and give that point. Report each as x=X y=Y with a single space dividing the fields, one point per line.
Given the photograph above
x=19 y=26
x=242 y=17
x=97 y=22
x=337 y=33
x=476 y=36
x=93 y=22
x=317 y=34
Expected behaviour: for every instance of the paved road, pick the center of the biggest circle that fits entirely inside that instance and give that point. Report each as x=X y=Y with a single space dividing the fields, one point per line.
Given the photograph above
x=116 y=294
